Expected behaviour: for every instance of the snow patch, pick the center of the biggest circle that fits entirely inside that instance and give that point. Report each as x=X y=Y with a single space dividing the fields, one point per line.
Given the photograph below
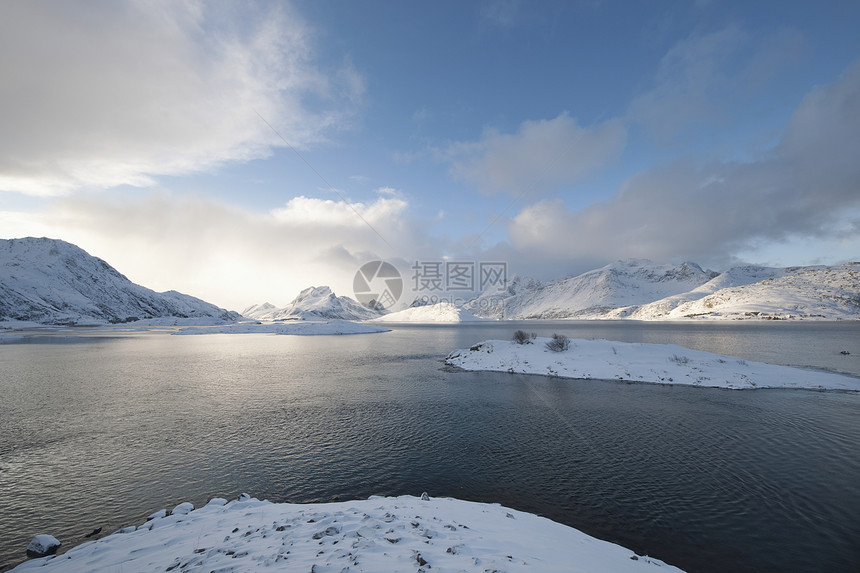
x=43 y=545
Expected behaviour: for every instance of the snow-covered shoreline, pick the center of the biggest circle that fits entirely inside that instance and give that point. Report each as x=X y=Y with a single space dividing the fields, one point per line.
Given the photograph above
x=298 y=327
x=640 y=362
x=375 y=535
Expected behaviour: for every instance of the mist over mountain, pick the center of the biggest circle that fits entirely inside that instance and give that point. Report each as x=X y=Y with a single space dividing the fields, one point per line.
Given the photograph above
x=49 y=281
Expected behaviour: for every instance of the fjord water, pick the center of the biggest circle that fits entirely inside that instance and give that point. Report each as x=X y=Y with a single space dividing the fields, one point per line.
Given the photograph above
x=99 y=430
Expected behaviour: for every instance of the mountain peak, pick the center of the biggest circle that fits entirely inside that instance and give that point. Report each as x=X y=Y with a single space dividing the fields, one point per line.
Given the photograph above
x=313 y=303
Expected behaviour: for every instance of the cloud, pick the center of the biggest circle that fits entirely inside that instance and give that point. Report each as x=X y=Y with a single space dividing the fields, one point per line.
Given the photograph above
x=703 y=77
x=106 y=94
x=225 y=254
x=323 y=215
x=802 y=188
x=542 y=154
x=501 y=13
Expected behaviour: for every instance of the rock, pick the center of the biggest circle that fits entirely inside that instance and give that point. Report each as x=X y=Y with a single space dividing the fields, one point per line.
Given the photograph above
x=124 y=530
x=42 y=545
x=95 y=531
x=244 y=497
x=157 y=515
x=183 y=508
x=425 y=497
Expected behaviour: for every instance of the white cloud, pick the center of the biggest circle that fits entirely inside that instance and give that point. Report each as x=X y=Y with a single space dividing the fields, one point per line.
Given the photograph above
x=542 y=154
x=228 y=255
x=99 y=95
x=703 y=78
x=803 y=188
x=322 y=215
x=501 y=13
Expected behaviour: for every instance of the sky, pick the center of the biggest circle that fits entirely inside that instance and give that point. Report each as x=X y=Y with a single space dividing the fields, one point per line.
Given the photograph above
x=243 y=151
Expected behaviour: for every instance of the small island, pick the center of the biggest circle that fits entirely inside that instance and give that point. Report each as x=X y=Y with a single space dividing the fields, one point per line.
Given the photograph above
x=639 y=362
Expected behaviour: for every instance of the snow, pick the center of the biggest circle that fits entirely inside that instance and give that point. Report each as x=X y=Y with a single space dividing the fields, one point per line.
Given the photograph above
x=439 y=312
x=591 y=294
x=313 y=303
x=375 y=535
x=183 y=508
x=640 y=362
x=306 y=328
x=43 y=544
x=807 y=292
x=642 y=290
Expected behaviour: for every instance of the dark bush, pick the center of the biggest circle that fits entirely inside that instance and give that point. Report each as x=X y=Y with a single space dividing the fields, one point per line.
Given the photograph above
x=559 y=343
x=523 y=337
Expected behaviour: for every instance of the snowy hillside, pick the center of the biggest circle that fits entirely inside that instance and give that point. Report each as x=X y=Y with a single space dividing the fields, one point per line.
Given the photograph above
x=440 y=312
x=642 y=290
x=313 y=303
x=734 y=277
x=592 y=294
x=49 y=281
x=798 y=292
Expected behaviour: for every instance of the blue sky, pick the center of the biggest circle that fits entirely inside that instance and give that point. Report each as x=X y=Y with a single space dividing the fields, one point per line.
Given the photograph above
x=554 y=136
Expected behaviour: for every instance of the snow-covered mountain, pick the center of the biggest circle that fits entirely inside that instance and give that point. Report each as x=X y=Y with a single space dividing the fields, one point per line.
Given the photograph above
x=313 y=303
x=430 y=313
x=49 y=281
x=762 y=292
x=665 y=308
x=647 y=291
x=592 y=294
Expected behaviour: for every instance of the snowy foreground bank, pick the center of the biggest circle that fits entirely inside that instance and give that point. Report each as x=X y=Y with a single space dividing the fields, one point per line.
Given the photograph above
x=299 y=327
x=375 y=535
x=639 y=362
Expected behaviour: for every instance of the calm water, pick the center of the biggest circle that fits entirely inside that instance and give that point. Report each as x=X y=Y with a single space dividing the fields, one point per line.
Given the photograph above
x=99 y=431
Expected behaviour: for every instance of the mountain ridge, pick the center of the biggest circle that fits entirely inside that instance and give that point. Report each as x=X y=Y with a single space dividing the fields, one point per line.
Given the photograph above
x=49 y=281
x=631 y=289
x=591 y=294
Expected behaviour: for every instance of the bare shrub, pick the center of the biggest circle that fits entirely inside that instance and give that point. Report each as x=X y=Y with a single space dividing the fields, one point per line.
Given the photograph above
x=523 y=337
x=679 y=360
x=559 y=343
